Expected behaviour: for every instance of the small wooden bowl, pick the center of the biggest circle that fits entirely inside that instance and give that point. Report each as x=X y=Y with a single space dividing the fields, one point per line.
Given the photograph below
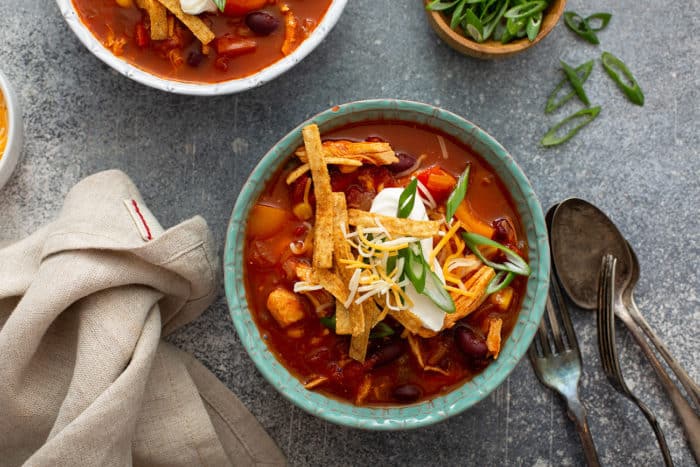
x=490 y=48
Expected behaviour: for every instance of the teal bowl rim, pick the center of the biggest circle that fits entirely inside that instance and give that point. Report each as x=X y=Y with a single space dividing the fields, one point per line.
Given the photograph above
x=462 y=397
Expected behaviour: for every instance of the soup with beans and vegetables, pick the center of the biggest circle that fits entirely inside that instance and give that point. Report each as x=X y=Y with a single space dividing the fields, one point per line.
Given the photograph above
x=202 y=41
x=384 y=264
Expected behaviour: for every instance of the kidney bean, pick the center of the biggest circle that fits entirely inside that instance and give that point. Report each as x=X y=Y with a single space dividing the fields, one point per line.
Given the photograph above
x=387 y=353
x=262 y=23
x=194 y=58
x=407 y=392
x=469 y=342
x=504 y=231
x=405 y=162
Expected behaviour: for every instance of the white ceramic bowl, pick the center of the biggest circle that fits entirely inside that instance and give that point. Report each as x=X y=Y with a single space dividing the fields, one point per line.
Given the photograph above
x=204 y=89
x=15 y=132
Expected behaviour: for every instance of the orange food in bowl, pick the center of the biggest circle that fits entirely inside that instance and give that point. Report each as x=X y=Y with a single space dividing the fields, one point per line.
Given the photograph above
x=160 y=38
x=4 y=125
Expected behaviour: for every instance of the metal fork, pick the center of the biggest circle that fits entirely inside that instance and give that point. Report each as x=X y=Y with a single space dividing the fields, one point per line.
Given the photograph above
x=608 y=350
x=557 y=361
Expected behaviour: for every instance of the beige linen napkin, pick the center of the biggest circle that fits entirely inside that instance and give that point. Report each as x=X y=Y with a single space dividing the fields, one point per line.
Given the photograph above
x=84 y=376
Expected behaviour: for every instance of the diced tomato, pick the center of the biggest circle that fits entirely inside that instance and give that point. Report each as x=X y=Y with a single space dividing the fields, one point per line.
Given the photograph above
x=231 y=46
x=438 y=182
x=242 y=7
x=142 y=37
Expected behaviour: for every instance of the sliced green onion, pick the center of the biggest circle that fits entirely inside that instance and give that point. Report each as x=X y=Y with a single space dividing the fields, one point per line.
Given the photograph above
x=575 y=82
x=492 y=24
x=436 y=292
x=506 y=36
x=328 y=322
x=579 y=25
x=586 y=116
x=407 y=199
x=604 y=20
x=381 y=330
x=457 y=15
x=500 y=282
x=514 y=263
x=473 y=26
x=525 y=10
x=583 y=71
x=416 y=268
x=437 y=5
x=487 y=15
x=457 y=195
x=514 y=26
x=534 y=23
x=612 y=64
x=220 y=4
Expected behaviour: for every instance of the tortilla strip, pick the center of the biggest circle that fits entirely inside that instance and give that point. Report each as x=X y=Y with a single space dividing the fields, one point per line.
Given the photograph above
x=323 y=226
x=200 y=30
x=302 y=169
x=341 y=250
x=343 y=323
x=376 y=153
x=476 y=284
x=412 y=323
x=493 y=340
x=395 y=226
x=330 y=281
x=359 y=343
x=381 y=316
x=158 y=18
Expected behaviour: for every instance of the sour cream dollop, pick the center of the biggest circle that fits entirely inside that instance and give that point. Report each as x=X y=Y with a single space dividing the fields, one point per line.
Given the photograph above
x=387 y=203
x=195 y=7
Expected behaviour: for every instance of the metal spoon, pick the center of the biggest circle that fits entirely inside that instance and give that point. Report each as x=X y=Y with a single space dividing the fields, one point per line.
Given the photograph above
x=608 y=297
x=581 y=236
x=628 y=300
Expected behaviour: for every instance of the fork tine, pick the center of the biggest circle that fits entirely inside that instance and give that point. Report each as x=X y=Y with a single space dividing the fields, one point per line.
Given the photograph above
x=570 y=334
x=544 y=339
x=605 y=338
x=554 y=324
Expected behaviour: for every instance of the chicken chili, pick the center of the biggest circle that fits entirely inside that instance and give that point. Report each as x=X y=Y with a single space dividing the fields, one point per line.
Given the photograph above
x=361 y=285
x=195 y=40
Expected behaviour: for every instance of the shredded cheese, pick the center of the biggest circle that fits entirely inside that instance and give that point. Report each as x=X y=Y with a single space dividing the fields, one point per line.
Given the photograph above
x=443 y=147
x=443 y=241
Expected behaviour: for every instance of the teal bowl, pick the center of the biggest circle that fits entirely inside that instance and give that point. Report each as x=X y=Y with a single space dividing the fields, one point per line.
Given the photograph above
x=462 y=397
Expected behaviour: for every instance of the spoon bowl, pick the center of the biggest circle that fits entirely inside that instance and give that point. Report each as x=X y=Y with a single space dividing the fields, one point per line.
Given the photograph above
x=581 y=236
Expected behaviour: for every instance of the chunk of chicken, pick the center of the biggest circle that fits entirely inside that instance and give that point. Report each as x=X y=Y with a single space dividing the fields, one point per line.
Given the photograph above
x=285 y=306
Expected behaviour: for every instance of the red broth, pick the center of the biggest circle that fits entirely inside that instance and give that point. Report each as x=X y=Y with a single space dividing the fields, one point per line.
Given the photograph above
x=181 y=59
x=308 y=349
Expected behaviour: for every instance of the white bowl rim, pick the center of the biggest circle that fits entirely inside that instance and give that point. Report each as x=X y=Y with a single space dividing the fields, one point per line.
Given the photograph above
x=201 y=89
x=13 y=147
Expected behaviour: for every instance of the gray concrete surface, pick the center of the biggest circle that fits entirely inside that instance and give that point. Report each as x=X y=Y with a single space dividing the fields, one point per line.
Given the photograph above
x=191 y=155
